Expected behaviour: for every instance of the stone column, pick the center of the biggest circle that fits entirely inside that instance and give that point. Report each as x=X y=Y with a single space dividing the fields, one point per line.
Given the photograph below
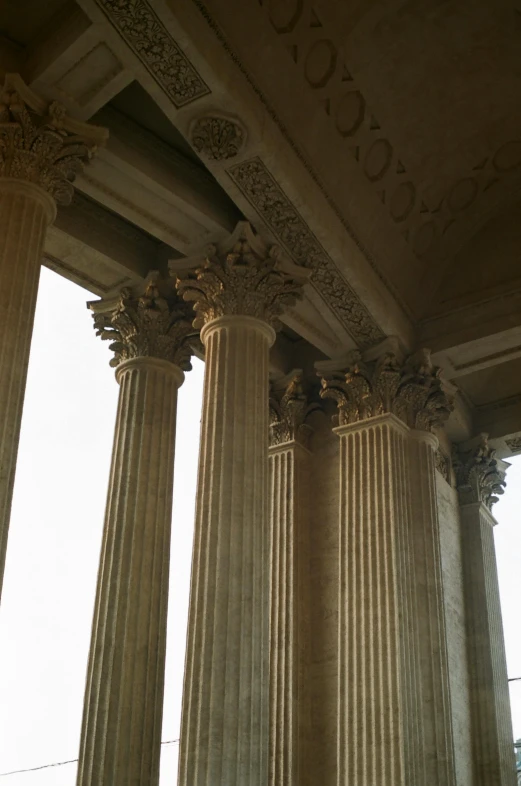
x=394 y=722
x=290 y=711
x=121 y=732
x=41 y=150
x=238 y=292
x=479 y=478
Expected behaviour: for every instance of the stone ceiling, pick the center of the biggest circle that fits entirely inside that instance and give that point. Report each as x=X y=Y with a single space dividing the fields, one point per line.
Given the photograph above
x=426 y=94
x=378 y=142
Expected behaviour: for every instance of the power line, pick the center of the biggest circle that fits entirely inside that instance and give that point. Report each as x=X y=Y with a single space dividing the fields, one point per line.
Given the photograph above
x=60 y=763
x=42 y=767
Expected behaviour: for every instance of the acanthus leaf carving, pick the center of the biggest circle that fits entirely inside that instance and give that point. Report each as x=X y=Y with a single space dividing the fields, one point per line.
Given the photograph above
x=40 y=144
x=243 y=277
x=480 y=477
x=216 y=137
x=149 y=324
x=290 y=406
x=410 y=388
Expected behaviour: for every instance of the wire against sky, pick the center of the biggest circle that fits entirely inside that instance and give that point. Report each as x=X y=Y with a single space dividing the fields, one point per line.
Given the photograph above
x=60 y=763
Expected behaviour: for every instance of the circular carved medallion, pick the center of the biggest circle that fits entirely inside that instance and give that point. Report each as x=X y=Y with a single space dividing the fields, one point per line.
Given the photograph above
x=217 y=137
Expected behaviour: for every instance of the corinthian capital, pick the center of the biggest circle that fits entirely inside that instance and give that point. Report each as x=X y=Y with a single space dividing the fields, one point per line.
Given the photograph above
x=242 y=277
x=155 y=323
x=408 y=387
x=39 y=143
x=480 y=477
x=289 y=410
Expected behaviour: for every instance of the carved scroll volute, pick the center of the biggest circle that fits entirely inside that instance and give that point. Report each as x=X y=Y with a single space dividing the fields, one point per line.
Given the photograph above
x=152 y=323
x=373 y=384
x=40 y=143
x=241 y=277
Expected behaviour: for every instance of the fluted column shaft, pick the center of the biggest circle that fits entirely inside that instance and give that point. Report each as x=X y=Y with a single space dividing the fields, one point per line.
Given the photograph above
x=490 y=702
x=224 y=735
x=380 y=734
x=121 y=733
x=438 y=753
x=25 y=212
x=289 y=635
x=394 y=715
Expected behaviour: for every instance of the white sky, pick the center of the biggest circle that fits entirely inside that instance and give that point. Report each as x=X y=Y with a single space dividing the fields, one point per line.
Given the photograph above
x=55 y=540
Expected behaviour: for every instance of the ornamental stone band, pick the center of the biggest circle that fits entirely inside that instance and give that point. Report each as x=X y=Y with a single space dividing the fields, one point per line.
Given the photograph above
x=42 y=150
x=239 y=290
x=121 y=732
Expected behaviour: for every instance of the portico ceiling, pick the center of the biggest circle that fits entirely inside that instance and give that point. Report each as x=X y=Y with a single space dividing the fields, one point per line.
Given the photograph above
x=379 y=143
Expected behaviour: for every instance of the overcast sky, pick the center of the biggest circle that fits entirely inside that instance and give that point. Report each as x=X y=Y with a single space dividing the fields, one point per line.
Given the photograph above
x=55 y=540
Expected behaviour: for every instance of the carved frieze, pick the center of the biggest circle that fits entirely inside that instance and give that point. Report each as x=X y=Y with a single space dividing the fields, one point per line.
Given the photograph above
x=286 y=223
x=243 y=277
x=409 y=388
x=150 y=324
x=217 y=137
x=480 y=477
x=144 y=32
x=289 y=409
x=40 y=144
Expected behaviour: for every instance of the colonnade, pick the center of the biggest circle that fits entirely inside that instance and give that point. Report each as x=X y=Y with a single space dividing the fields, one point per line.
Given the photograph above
x=247 y=706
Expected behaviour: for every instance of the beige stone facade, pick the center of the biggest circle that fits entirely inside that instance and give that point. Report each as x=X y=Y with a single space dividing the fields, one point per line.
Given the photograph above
x=320 y=199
